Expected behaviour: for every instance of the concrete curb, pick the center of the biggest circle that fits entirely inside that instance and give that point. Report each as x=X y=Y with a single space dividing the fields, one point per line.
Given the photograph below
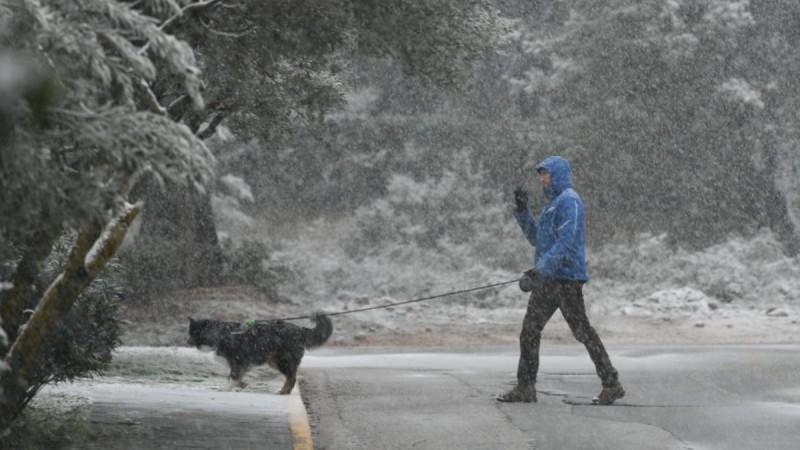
x=298 y=421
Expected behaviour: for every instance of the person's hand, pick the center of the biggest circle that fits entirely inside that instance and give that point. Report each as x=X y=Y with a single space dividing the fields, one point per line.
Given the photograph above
x=528 y=280
x=521 y=199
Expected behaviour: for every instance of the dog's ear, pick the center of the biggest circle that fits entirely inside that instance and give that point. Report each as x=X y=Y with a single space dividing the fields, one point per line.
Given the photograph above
x=190 y=320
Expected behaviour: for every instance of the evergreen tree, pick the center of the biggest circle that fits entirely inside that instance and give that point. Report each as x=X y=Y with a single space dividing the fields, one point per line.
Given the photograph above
x=80 y=124
x=272 y=67
x=672 y=112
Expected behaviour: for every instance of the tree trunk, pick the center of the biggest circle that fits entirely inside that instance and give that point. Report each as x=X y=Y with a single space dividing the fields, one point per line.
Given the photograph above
x=183 y=218
x=776 y=210
x=22 y=375
x=781 y=224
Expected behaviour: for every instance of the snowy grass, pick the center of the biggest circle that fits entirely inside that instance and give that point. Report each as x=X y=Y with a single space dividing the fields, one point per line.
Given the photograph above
x=182 y=366
x=325 y=270
x=57 y=418
x=645 y=278
x=743 y=290
x=739 y=275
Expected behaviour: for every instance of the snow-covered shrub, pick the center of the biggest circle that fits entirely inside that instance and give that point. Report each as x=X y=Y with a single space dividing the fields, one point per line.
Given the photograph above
x=53 y=420
x=86 y=335
x=454 y=215
x=750 y=270
x=246 y=262
x=424 y=237
x=227 y=202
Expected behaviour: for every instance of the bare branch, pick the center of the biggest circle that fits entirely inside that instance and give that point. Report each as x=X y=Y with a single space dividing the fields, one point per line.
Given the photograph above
x=198 y=5
x=150 y=99
x=228 y=34
x=179 y=14
x=212 y=126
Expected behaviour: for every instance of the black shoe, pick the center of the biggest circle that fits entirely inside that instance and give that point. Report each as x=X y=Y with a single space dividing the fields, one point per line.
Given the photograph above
x=609 y=394
x=518 y=395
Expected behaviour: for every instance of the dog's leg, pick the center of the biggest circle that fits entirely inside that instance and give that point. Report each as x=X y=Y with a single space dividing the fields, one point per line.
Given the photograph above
x=289 y=384
x=237 y=383
x=236 y=375
x=288 y=367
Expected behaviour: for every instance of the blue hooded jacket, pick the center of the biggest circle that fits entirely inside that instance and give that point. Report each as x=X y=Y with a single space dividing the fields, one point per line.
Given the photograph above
x=558 y=237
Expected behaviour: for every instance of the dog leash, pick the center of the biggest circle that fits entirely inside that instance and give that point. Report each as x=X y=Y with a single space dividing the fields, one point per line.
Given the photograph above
x=388 y=305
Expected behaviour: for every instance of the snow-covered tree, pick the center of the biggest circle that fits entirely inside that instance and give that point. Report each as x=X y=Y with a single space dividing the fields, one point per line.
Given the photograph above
x=687 y=101
x=80 y=123
x=272 y=65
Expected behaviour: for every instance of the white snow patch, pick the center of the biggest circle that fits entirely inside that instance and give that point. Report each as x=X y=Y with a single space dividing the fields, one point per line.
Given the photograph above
x=238 y=187
x=740 y=91
x=675 y=303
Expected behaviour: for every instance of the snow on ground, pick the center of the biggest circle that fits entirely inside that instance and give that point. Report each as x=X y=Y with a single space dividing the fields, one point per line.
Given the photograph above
x=64 y=415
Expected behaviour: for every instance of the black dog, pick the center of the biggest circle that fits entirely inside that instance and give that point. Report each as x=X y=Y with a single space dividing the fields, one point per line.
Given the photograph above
x=274 y=342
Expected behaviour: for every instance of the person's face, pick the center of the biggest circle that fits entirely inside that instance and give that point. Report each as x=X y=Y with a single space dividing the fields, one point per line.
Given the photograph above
x=544 y=178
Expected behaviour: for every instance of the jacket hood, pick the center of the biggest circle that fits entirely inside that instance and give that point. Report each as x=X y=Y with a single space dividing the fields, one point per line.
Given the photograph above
x=560 y=174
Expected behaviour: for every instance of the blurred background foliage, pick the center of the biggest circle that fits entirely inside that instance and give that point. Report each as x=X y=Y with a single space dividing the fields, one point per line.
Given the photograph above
x=679 y=117
x=413 y=123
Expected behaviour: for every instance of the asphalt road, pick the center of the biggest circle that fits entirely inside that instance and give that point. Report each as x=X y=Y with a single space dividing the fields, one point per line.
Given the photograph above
x=699 y=397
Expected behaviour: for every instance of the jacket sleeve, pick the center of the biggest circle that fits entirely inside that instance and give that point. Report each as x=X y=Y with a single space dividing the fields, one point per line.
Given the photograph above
x=528 y=224
x=568 y=220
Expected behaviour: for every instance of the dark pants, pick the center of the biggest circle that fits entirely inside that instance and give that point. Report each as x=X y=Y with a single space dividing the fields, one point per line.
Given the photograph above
x=545 y=298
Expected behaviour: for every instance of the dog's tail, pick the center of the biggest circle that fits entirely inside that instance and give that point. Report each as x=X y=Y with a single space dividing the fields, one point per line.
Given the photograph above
x=321 y=332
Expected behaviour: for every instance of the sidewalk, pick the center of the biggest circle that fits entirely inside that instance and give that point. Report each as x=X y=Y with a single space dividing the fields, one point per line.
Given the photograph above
x=142 y=416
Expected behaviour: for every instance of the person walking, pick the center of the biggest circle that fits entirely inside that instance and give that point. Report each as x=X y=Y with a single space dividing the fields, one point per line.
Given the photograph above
x=556 y=281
